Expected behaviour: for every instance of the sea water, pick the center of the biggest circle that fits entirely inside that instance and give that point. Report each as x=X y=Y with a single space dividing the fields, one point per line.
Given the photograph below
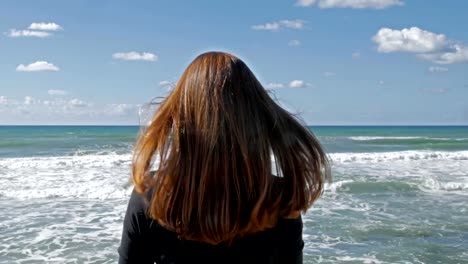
x=399 y=195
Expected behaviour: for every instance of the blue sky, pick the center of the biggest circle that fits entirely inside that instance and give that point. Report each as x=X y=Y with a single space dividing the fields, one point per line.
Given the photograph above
x=336 y=62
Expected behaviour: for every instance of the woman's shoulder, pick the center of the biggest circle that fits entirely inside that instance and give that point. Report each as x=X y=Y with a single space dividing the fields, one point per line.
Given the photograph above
x=139 y=202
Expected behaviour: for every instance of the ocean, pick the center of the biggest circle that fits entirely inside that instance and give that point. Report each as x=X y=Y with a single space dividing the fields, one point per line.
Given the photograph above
x=399 y=194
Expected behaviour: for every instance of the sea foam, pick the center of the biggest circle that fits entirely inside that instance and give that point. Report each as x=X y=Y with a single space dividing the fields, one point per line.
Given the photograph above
x=373 y=157
x=108 y=176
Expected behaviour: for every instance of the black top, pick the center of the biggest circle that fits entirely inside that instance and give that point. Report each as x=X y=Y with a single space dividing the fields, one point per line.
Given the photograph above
x=145 y=241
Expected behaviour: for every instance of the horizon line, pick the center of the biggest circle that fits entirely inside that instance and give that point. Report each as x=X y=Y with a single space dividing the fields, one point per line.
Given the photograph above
x=309 y=125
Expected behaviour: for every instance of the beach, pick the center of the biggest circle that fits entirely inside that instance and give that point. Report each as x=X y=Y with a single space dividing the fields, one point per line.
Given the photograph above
x=399 y=194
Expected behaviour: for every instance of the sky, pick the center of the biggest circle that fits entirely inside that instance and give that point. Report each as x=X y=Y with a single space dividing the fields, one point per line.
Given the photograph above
x=331 y=62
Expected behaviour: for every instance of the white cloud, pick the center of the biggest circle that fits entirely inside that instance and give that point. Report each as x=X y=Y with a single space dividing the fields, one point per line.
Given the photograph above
x=275 y=26
x=437 y=69
x=165 y=83
x=411 y=39
x=294 y=42
x=135 y=56
x=274 y=85
x=356 y=55
x=291 y=84
x=59 y=110
x=37 y=30
x=295 y=24
x=37 y=66
x=122 y=108
x=329 y=74
x=429 y=46
x=356 y=4
x=27 y=33
x=381 y=82
x=76 y=103
x=60 y=104
x=56 y=102
x=3 y=100
x=45 y=26
x=297 y=84
x=29 y=100
x=56 y=92
x=454 y=54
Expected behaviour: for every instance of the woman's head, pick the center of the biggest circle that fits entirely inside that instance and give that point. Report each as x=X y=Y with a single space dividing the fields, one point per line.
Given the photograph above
x=213 y=138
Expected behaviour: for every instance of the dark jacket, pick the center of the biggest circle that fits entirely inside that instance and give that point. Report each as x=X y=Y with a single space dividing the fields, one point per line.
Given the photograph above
x=145 y=241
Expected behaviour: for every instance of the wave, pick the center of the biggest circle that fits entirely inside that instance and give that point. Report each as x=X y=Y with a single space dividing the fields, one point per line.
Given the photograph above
x=334 y=186
x=435 y=185
x=426 y=185
x=369 y=186
x=83 y=161
x=105 y=159
x=366 y=138
x=408 y=140
x=107 y=176
x=97 y=152
x=86 y=177
x=410 y=155
x=70 y=191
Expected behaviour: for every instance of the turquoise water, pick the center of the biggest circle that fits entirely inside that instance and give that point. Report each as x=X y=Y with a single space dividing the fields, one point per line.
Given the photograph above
x=393 y=138
x=399 y=195
x=23 y=141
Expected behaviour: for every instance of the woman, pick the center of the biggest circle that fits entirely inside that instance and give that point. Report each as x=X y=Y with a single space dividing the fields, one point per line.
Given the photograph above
x=214 y=196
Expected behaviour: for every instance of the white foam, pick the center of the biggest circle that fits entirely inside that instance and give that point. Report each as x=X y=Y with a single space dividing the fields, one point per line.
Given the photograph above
x=336 y=185
x=410 y=155
x=436 y=185
x=107 y=176
x=84 y=162
x=88 y=176
x=365 y=260
x=59 y=230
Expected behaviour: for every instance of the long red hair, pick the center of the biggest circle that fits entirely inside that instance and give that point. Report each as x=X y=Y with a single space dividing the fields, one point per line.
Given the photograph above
x=213 y=138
